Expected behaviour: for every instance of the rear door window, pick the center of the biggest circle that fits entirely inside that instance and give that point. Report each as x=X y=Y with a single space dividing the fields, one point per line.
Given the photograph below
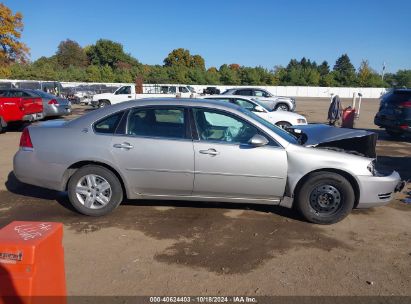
x=244 y=92
x=165 y=122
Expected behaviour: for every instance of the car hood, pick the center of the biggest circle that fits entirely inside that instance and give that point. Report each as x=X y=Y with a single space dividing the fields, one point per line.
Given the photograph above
x=339 y=139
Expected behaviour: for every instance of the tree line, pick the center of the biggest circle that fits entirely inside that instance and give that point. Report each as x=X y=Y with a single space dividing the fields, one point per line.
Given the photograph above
x=106 y=61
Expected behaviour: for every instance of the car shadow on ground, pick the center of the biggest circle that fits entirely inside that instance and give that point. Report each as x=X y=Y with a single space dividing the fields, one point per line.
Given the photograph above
x=222 y=238
x=16 y=187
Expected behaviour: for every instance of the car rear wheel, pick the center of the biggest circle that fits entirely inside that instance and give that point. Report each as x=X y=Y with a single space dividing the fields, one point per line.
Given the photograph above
x=282 y=107
x=325 y=198
x=394 y=132
x=283 y=124
x=94 y=190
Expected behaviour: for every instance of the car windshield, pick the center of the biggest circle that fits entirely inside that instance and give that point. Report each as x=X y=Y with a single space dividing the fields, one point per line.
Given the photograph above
x=277 y=130
x=43 y=94
x=262 y=105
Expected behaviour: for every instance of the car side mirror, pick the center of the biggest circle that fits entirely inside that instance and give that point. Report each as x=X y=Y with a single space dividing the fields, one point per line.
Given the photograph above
x=259 y=109
x=258 y=141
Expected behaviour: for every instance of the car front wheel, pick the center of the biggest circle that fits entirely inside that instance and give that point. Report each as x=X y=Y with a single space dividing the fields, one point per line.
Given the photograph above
x=325 y=198
x=283 y=124
x=94 y=190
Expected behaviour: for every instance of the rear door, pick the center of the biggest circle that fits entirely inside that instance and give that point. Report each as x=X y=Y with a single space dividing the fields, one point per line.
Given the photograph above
x=156 y=151
x=227 y=166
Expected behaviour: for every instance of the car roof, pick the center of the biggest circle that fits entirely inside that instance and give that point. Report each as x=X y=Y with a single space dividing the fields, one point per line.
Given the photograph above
x=247 y=88
x=93 y=116
x=250 y=98
x=402 y=90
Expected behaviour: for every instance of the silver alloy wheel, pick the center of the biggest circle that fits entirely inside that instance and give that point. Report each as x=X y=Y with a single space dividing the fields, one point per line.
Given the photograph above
x=325 y=200
x=282 y=107
x=93 y=191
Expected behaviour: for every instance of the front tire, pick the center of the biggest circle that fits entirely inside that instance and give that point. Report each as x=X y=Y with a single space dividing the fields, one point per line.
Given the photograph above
x=325 y=198
x=283 y=124
x=94 y=190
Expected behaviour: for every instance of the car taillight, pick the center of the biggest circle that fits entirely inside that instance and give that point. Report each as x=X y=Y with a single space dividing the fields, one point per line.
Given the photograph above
x=25 y=140
x=405 y=104
x=53 y=102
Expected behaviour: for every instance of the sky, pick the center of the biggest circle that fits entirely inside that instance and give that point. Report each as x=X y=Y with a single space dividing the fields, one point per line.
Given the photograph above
x=248 y=32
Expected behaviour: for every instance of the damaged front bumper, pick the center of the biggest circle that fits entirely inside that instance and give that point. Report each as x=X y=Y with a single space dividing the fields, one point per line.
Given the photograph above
x=378 y=190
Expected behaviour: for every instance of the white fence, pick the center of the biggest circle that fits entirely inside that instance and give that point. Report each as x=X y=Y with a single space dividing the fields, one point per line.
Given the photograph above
x=292 y=91
x=311 y=91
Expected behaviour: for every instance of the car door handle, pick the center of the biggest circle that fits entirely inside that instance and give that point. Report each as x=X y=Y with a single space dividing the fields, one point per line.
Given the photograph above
x=212 y=152
x=129 y=96
x=124 y=145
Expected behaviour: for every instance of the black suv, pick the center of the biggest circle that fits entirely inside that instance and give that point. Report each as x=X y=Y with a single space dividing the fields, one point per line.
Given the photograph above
x=395 y=112
x=211 y=91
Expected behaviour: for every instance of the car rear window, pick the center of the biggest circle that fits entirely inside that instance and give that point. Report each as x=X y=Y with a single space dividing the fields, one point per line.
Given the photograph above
x=108 y=125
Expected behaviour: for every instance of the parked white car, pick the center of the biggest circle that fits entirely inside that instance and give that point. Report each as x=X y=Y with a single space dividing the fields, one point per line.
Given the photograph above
x=282 y=119
x=128 y=92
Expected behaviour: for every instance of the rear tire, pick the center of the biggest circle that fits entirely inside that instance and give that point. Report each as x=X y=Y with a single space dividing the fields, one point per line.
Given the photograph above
x=282 y=107
x=325 y=198
x=94 y=190
x=104 y=103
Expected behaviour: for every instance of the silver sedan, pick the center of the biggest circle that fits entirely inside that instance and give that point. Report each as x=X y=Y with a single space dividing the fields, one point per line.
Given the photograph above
x=195 y=150
x=53 y=106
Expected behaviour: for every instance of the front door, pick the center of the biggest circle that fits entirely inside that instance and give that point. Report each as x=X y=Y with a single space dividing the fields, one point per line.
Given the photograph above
x=156 y=151
x=226 y=165
x=122 y=94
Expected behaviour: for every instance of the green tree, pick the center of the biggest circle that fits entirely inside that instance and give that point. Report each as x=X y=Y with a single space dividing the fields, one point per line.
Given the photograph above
x=403 y=78
x=212 y=76
x=182 y=57
x=229 y=75
x=69 y=53
x=197 y=62
x=93 y=74
x=107 y=52
x=178 y=57
x=324 y=68
x=345 y=71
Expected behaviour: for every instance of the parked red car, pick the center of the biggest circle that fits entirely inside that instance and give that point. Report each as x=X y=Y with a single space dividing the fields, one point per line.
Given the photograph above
x=18 y=106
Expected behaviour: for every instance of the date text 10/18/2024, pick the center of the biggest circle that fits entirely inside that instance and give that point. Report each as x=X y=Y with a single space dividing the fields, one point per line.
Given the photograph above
x=205 y=299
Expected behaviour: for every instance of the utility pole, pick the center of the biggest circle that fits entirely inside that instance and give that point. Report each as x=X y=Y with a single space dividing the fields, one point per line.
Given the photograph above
x=383 y=71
